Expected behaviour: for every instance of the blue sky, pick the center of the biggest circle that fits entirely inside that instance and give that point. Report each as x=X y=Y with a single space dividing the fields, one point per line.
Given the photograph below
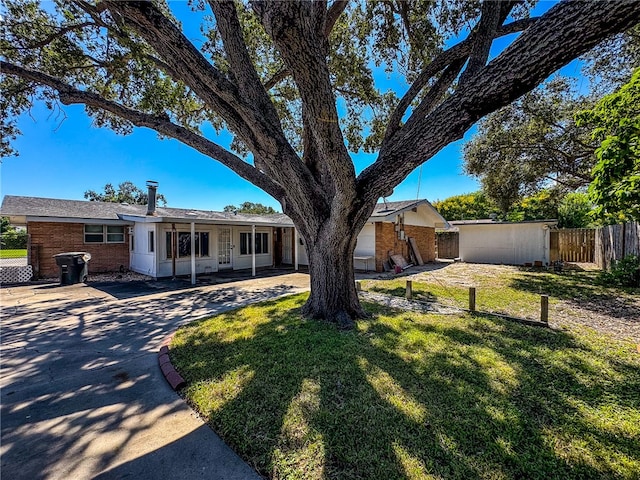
x=62 y=156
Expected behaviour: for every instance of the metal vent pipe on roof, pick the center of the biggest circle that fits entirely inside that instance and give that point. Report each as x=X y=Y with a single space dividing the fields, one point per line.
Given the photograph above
x=152 y=187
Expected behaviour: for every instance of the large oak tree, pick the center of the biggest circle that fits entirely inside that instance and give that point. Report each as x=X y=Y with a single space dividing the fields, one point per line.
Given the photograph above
x=294 y=82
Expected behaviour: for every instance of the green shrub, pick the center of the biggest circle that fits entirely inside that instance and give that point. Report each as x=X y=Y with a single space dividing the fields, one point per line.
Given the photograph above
x=624 y=273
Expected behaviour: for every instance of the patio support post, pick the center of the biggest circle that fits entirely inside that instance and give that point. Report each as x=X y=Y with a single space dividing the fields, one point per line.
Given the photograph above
x=173 y=251
x=193 y=253
x=296 y=247
x=253 y=250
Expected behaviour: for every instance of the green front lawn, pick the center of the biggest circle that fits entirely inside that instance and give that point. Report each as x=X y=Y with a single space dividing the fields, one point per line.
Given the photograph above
x=508 y=290
x=408 y=395
x=13 y=253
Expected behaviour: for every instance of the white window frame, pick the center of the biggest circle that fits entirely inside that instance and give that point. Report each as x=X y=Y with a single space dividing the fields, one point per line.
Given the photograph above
x=104 y=233
x=248 y=246
x=198 y=245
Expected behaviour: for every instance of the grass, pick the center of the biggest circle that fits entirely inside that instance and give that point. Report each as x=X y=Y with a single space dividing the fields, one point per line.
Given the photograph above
x=13 y=253
x=514 y=292
x=408 y=395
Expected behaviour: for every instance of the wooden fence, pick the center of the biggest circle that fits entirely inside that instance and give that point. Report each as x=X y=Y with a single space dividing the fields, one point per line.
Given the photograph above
x=447 y=245
x=572 y=245
x=614 y=242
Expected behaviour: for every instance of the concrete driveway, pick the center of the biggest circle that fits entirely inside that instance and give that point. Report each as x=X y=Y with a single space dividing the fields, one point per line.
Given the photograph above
x=82 y=394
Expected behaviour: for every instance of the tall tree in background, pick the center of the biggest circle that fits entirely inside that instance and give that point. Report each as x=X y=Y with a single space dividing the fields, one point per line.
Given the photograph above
x=615 y=189
x=127 y=192
x=250 y=207
x=468 y=206
x=532 y=143
x=274 y=73
x=535 y=142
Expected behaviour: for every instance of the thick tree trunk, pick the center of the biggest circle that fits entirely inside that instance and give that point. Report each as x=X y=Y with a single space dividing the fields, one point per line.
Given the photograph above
x=333 y=292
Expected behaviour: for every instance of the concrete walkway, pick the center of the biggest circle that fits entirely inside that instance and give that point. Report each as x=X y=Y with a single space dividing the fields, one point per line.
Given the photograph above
x=82 y=394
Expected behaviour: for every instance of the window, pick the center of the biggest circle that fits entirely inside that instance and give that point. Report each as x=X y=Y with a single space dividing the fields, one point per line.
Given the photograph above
x=98 y=233
x=151 y=241
x=93 y=234
x=261 y=241
x=184 y=244
x=115 y=234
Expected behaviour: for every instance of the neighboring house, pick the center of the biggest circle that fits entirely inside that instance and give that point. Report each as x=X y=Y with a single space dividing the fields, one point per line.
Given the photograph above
x=163 y=242
x=508 y=243
x=388 y=229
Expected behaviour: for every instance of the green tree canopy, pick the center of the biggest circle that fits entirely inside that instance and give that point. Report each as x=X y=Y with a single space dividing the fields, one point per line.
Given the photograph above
x=127 y=192
x=299 y=86
x=468 y=206
x=250 y=207
x=615 y=188
x=575 y=211
x=5 y=225
x=535 y=143
x=531 y=144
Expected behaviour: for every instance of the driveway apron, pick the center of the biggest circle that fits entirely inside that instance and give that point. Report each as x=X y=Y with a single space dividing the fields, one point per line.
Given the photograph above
x=82 y=394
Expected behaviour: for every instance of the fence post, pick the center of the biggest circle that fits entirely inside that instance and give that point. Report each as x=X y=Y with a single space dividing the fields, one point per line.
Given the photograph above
x=358 y=286
x=544 y=308
x=472 y=299
x=409 y=293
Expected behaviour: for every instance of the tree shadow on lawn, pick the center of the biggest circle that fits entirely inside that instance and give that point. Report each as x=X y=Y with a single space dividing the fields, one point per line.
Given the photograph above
x=582 y=289
x=406 y=396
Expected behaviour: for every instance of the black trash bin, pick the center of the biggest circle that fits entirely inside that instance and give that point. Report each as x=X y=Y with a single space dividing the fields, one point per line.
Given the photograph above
x=73 y=267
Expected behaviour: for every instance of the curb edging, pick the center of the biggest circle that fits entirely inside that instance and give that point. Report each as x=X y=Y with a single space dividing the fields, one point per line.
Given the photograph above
x=173 y=378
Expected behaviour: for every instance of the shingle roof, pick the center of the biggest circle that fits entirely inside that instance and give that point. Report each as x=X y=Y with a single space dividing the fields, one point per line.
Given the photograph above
x=53 y=207
x=80 y=209
x=488 y=221
x=389 y=208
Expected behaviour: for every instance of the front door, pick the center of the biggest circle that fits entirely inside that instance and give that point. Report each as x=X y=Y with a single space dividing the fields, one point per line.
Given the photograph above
x=225 y=257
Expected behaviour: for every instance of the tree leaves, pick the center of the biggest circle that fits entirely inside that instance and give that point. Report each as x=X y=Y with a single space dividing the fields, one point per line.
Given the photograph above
x=127 y=192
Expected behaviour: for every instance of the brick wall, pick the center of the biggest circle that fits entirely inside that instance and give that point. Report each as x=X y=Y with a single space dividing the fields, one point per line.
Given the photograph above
x=387 y=240
x=48 y=239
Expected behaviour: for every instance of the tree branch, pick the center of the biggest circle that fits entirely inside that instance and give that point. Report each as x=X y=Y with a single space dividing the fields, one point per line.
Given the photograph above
x=483 y=38
x=435 y=94
x=303 y=48
x=64 y=30
x=239 y=60
x=333 y=13
x=70 y=95
x=453 y=54
x=566 y=31
x=192 y=68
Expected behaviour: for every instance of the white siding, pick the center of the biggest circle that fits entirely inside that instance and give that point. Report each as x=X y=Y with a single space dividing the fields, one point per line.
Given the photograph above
x=366 y=247
x=509 y=244
x=142 y=260
x=366 y=242
x=303 y=258
x=419 y=218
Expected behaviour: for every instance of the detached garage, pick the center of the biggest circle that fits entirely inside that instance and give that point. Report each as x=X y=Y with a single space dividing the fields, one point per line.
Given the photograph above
x=507 y=243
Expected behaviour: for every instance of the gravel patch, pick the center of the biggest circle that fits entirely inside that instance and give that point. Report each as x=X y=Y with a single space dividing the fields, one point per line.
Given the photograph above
x=412 y=305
